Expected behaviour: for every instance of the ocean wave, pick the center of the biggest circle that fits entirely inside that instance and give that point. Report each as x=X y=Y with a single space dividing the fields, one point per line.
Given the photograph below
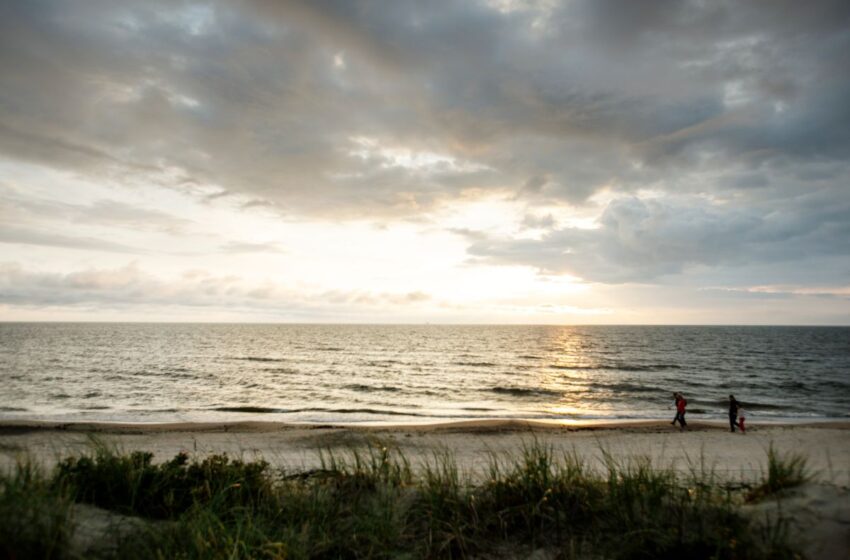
x=250 y=409
x=382 y=363
x=480 y=409
x=723 y=405
x=617 y=367
x=525 y=391
x=795 y=386
x=626 y=387
x=371 y=388
x=739 y=386
x=835 y=384
x=281 y=370
x=475 y=364
x=763 y=406
x=258 y=359
x=182 y=373
x=270 y=410
x=362 y=411
x=12 y=409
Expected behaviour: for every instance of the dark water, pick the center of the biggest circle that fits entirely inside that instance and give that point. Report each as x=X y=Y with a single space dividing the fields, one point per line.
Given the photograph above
x=329 y=373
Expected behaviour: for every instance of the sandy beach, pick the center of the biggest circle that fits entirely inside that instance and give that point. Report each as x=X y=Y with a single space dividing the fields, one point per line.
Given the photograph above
x=294 y=447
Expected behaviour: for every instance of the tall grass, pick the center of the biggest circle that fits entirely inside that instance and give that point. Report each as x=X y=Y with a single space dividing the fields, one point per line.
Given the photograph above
x=35 y=515
x=783 y=472
x=372 y=505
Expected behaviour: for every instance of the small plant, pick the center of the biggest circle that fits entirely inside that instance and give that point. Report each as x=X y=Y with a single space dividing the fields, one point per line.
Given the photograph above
x=783 y=471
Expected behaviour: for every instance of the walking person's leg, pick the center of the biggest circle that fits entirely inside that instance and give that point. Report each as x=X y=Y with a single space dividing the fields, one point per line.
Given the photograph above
x=732 y=422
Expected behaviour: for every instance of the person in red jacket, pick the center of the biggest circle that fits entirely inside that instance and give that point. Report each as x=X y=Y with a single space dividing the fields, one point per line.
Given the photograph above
x=681 y=403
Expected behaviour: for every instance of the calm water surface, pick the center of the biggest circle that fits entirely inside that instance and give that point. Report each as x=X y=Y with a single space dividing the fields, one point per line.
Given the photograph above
x=328 y=373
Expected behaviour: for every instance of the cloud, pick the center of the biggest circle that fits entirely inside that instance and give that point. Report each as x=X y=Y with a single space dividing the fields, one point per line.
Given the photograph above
x=784 y=291
x=538 y=222
x=25 y=236
x=577 y=95
x=720 y=130
x=27 y=210
x=131 y=287
x=643 y=240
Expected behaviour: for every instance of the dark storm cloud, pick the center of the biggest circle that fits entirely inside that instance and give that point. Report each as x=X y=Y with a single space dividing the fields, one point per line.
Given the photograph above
x=304 y=106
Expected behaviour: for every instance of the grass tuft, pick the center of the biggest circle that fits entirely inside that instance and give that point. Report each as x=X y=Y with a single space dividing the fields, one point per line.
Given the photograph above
x=783 y=472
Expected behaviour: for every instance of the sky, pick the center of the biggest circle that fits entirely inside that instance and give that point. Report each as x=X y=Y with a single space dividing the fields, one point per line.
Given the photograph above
x=399 y=161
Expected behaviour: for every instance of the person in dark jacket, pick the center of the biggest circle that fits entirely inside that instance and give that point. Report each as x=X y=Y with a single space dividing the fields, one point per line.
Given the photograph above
x=734 y=405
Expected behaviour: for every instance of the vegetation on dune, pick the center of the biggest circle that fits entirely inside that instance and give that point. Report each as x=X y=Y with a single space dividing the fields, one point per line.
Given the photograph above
x=783 y=472
x=133 y=484
x=35 y=519
x=372 y=505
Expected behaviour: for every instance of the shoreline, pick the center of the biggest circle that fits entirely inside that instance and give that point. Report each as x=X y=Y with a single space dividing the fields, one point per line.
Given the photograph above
x=488 y=424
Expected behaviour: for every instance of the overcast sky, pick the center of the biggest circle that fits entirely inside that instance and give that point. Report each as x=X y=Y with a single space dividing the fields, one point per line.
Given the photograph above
x=583 y=161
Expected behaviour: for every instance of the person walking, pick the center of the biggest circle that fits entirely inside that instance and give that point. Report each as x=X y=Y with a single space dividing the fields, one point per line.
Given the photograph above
x=681 y=404
x=734 y=406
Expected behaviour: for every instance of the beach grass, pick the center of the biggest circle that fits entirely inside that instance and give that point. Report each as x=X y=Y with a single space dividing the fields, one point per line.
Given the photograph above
x=373 y=504
x=783 y=472
x=35 y=514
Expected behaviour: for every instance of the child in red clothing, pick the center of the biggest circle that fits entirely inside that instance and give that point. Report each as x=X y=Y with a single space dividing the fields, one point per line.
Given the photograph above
x=741 y=419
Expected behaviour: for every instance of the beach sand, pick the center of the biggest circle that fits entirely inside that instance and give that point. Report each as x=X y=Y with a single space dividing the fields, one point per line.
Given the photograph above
x=737 y=456
x=820 y=510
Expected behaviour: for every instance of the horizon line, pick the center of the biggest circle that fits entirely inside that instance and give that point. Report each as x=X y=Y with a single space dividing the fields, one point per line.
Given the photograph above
x=428 y=323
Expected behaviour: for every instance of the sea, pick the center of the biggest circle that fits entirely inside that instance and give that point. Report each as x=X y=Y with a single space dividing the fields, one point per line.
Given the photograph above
x=405 y=374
